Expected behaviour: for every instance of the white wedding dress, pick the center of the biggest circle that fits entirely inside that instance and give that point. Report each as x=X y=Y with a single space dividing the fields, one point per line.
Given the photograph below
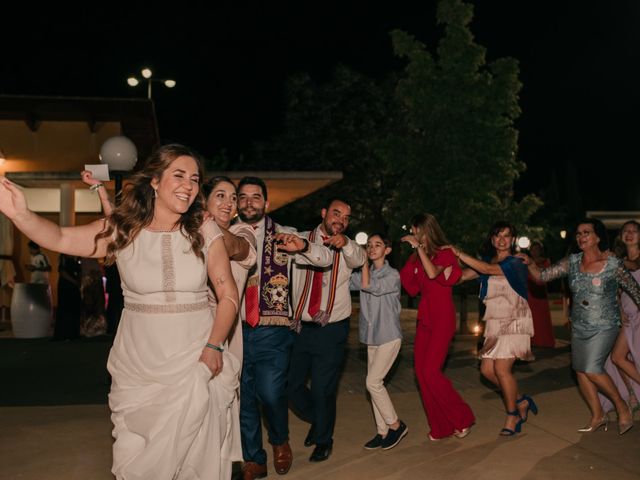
x=171 y=419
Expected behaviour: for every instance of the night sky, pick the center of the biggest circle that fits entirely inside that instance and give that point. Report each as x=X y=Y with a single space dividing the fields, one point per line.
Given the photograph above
x=578 y=64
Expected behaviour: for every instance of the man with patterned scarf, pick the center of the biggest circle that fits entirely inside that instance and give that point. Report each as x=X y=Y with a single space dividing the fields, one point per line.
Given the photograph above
x=267 y=330
x=322 y=303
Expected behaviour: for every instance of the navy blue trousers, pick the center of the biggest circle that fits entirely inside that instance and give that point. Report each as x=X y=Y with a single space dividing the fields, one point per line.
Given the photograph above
x=318 y=353
x=264 y=384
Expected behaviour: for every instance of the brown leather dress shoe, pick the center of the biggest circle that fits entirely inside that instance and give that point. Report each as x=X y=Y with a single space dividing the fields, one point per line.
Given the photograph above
x=253 y=470
x=282 y=458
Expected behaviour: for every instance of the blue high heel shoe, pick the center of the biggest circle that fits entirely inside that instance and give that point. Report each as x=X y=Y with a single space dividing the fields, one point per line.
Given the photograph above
x=531 y=406
x=507 y=432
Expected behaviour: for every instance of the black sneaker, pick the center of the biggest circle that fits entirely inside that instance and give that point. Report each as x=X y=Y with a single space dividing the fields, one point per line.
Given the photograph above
x=375 y=442
x=394 y=436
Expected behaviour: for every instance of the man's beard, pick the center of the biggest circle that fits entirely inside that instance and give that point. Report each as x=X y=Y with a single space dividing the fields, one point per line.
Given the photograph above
x=331 y=230
x=255 y=218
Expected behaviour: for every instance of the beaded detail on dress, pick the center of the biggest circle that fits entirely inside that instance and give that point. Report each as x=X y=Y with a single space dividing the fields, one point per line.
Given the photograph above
x=557 y=270
x=166 y=308
x=509 y=324
x=168 y=272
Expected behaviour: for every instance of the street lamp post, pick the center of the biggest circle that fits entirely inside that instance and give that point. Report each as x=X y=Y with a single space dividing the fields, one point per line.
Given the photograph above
x=147 y=74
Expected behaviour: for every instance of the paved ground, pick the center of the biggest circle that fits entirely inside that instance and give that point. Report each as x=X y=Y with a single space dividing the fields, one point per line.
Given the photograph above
x=73 y=442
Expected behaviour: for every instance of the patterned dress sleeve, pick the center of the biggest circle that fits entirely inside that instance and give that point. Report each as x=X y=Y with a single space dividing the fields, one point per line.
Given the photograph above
x=628 y=283
x=246 y=232
x=210 y=231
x=557 y=270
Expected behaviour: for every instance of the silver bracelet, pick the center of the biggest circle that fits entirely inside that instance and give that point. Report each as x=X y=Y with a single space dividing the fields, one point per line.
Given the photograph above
x=95 y=187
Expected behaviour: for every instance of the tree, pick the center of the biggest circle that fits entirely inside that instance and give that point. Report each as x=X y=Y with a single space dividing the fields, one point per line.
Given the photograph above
x=459 y=145
x=439 y=137
x=338 y=125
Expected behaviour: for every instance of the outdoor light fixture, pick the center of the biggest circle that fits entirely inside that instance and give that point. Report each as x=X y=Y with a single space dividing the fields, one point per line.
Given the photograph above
x=147 y=74
x=361 y=238
x=563 y=234
x=121 y=155
x=523 y=242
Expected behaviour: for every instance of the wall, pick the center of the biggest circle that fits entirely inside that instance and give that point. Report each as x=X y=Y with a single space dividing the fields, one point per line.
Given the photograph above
x=55 y=146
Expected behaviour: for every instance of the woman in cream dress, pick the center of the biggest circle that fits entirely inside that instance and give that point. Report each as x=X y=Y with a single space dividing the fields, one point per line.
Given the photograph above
x=509 y=324
x=173 y=395
x=623 y=365
x=221 y=200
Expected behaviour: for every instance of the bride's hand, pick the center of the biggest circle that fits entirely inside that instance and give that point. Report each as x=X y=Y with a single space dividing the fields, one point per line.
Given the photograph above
x=212 y=359
x=87 y=178
x=12 y=200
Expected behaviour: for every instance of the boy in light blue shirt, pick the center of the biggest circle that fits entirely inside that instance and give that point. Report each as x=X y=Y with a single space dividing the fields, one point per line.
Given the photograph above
x=379 y=286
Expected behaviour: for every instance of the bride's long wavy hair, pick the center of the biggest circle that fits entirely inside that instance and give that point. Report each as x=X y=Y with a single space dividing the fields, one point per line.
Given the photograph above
x=136 y=207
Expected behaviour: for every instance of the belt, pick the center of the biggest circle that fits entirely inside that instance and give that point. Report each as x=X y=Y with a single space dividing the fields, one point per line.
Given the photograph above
x=310 y=324
x=166 y=307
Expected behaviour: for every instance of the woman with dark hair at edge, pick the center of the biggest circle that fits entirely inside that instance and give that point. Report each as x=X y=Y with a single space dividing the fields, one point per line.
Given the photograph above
x=594 y=278
x=432 y=271
x=509 y=325
x=173 y=395
x=624 y=371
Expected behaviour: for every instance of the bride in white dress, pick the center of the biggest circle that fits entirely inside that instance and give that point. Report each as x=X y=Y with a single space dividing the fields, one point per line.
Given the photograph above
x=221 y=201
x=173 y=395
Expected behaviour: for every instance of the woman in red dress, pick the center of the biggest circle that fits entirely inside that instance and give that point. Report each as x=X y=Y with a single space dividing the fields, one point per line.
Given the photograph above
x=431 y=272
x=539 y=301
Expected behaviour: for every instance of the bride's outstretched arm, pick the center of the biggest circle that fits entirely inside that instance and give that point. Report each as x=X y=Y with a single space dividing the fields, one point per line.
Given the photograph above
x=79 y=241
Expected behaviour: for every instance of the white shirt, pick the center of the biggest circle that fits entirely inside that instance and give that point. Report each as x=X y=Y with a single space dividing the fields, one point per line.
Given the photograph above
x=352 y=256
